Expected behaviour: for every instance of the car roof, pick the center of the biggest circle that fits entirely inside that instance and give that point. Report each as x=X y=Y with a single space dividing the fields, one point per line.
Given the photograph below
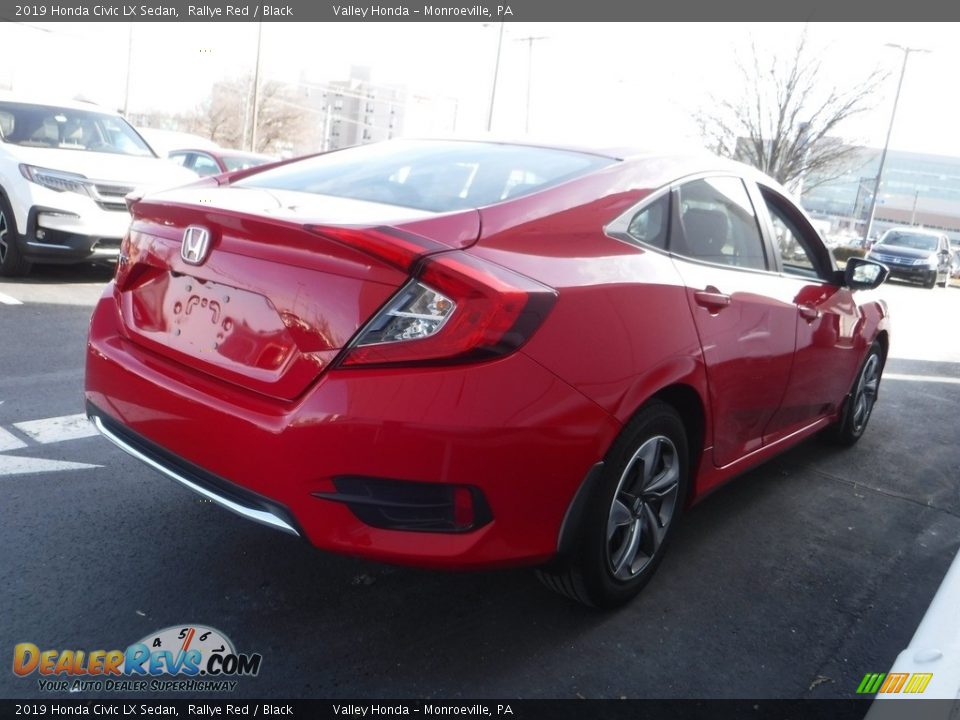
x=47 y=101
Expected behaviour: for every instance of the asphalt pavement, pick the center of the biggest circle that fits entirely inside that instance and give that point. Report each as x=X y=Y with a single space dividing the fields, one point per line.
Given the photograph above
x=791 y=582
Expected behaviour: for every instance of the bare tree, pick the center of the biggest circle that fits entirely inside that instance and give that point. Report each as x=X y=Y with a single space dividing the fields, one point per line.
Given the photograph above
x=282 y=122
x=786 y=118
x=222 y=117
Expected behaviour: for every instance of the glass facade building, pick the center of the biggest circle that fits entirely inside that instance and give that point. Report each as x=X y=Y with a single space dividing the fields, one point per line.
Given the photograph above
x=917 y=189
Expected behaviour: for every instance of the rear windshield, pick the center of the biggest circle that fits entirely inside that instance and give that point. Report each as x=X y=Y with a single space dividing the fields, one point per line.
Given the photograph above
x=430 y=175
x=910 y=240
x=48 y=126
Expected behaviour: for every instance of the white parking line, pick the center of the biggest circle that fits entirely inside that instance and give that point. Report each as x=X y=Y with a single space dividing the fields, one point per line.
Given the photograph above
x=8 y=441
x=13 y=465
x=922 y=378
x=8 y=300
x=57 y=429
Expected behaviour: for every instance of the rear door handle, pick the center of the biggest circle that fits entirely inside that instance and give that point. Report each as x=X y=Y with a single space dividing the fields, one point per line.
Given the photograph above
x=808 y=312
x=711 y=298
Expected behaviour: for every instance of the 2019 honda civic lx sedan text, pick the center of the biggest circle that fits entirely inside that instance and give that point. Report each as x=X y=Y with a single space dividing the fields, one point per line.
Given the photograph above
x=472 y=354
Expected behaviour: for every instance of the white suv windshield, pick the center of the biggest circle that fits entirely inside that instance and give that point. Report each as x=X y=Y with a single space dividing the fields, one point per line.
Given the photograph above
x=55 y=127
x=914 y=241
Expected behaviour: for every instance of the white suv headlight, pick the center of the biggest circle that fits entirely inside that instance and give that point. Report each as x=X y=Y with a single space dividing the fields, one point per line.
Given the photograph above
x=55 y=179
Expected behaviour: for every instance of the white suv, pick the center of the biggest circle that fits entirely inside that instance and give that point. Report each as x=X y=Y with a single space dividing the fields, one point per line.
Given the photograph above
x=65 y=169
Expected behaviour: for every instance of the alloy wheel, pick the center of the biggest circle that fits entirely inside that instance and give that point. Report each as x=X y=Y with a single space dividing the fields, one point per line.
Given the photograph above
x=643 y=506
x=866 y=393
x=4 y=235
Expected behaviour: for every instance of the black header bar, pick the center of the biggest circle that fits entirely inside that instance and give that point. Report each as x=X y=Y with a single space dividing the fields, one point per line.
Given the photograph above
x=857 y=11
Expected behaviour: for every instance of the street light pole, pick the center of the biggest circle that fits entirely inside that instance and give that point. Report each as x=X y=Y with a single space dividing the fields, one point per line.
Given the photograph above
x=529 y=40
x=126 y=89
x=496 y=74
x=256 y=91
x=886 y=144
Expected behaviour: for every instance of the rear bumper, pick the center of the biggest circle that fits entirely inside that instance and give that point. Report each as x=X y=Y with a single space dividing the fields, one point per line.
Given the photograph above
x=234 y=498
x=508 y=428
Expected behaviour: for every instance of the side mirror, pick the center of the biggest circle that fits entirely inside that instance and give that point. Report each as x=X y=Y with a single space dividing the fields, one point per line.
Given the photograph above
x=863 y=274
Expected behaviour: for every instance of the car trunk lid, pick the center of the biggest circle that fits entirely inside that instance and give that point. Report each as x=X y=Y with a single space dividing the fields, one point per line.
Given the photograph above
x=288 y=278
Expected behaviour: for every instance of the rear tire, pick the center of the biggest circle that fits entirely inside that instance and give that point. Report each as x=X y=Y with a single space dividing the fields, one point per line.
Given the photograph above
x=12 y=263
x=863 y=396
x=629 y=521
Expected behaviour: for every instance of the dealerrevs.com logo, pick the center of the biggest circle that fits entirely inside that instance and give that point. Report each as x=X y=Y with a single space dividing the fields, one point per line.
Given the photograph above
x=185 y=658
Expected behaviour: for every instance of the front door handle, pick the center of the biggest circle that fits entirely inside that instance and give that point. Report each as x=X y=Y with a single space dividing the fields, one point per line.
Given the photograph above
x=808 y=312
x=711 y=298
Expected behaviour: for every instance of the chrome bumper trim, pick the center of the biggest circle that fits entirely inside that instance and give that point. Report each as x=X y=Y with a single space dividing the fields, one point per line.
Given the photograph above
x=260 y=516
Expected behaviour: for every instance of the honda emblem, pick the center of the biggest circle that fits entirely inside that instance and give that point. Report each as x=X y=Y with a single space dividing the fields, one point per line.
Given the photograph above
x=196 y=245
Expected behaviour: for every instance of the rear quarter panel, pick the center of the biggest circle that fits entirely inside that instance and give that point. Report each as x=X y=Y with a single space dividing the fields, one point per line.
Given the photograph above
x=621 y=329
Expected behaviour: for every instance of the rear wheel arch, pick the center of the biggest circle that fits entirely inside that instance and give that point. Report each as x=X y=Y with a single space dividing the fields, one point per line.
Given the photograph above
x=690 y=406
x=673 y=418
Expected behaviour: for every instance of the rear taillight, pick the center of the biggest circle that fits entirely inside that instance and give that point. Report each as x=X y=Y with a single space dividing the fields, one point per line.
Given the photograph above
x=457 y=308
x=392 y=246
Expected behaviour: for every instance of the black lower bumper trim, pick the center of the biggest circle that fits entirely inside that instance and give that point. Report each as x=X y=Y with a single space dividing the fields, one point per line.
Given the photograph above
x=229 y=495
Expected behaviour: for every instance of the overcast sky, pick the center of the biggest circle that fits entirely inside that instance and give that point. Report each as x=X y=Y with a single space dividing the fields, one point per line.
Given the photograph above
x=623 y=82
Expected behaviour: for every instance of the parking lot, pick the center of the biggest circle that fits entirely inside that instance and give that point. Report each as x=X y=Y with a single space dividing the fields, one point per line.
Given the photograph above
x=791 y=582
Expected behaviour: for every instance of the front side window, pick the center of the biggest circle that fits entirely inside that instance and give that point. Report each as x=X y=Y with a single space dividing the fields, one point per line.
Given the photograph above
x=242 y=162
x=718 y=224
x=205 y=165
x=67 y=129
x=789 y=243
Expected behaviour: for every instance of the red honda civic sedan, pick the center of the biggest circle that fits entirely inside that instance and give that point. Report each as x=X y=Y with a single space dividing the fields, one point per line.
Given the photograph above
x=471 y=354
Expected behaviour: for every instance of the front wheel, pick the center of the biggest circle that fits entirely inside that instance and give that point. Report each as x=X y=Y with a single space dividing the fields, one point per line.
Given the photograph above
x=629 y=520
x=12 y=263
x=862 y=398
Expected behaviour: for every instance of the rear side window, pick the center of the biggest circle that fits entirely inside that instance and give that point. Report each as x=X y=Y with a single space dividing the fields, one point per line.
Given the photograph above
x=650 y=225
x=718 y=224
x=430 y=175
